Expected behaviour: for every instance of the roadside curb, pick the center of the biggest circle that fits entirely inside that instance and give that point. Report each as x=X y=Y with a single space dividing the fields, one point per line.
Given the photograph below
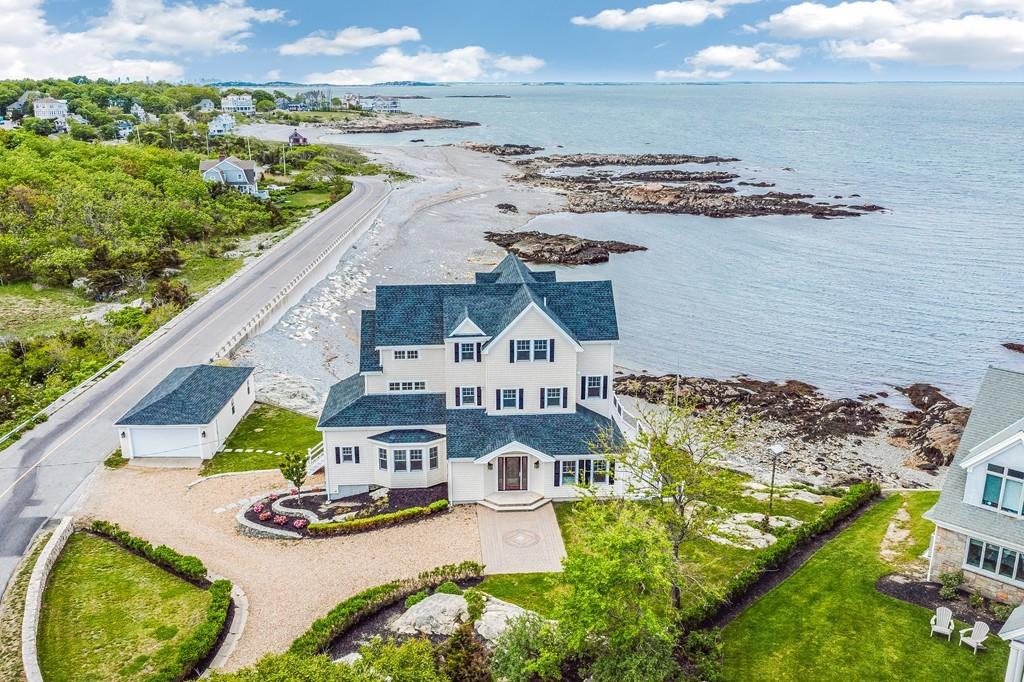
x=34 y=597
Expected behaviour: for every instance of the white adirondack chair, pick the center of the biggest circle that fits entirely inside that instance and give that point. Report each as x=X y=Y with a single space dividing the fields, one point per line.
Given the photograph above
x=942 y=622
x=974 y=636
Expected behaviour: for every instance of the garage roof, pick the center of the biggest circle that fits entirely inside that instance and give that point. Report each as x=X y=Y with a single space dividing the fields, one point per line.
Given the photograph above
x=188 y=395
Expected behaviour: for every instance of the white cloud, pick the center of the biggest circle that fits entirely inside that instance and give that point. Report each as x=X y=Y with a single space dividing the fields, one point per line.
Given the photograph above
x=682 y=13
x=722 y=61
x=272 y=75
x=116 y=44
x=973 y=33
x=469 y=63
x=347 y=40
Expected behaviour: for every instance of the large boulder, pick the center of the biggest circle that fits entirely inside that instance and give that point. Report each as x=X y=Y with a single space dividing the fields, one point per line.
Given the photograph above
x=438 y=614
x=495 y=618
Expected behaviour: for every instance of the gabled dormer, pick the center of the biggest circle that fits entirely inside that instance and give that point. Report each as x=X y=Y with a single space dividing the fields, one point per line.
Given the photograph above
x=995 y=471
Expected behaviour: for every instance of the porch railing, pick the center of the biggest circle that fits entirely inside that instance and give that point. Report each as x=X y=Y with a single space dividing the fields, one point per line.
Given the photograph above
x=315 y=458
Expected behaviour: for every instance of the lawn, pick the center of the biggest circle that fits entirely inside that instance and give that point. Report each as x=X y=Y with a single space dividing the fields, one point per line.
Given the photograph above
x=827 y=621
x=267 y=428
x=26 y=310
x=203 y=272
x=111 y=615
x=307 y=198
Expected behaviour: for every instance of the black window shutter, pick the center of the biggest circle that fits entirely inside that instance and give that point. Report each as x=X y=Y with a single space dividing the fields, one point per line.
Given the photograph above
x=497 y=399
x=558 y=473
x=604 y=387
x=456 y=347
x=542 y=398
x=520 y=399
x=355 y=452
x=337 y=455
x=479 y=396
x=478 y=351
x=551 y=350
x=583 y=388
x=565 y=396
x=458 y=396
x=611 y=473
x=511 y=350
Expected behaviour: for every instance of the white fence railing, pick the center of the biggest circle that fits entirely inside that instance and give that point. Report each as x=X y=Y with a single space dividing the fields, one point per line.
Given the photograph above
x=628 y=422
x=315 y=458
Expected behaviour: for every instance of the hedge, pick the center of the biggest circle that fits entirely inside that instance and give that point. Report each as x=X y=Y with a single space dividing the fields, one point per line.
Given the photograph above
x=183 y=565
x=357 y=608
x=775 y=555
x=198 y=645
x=379 y=521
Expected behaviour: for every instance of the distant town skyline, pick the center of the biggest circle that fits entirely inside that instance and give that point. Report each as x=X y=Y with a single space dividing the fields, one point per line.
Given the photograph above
x=488 y=41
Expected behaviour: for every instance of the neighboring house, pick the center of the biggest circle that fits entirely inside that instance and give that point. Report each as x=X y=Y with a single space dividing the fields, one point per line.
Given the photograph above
x=187 y=417
x=497 y=388
x=237 y=174
x=350 y=100
x=17 y=109
x=381 y=105
x=78 y=118
x=222 y=124
x=297 y=106
x=50 y=109
x=124 y=130
x=238 y=104
x=978 y=524
x=297 y=139
x=281 y=103
x=138 y=112
x=205 y=106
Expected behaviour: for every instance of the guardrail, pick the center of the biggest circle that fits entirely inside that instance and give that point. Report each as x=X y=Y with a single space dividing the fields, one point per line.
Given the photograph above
x=315 y=458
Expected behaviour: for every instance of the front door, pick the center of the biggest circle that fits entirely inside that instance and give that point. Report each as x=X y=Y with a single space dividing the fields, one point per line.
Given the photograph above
x=512 y=473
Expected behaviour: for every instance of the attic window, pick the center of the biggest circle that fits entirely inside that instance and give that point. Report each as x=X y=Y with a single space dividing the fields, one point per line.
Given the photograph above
x=467 y=351
x=406 y=354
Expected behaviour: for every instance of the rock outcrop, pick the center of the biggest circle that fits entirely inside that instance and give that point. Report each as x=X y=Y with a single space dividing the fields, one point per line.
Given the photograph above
x=561 y=249
x=1015 y=347
x=934 y=429
x=503 y=149
x=591 y=160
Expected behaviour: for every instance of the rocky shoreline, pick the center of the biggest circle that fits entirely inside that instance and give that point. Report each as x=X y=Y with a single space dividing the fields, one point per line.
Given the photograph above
x=400 y=126
x=502 y=149
x=560 y=249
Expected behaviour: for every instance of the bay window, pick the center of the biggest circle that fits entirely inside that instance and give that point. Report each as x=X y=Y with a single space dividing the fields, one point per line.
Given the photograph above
x=416 y=460
x=382 y=459
x=433 y=457
x=399 y=458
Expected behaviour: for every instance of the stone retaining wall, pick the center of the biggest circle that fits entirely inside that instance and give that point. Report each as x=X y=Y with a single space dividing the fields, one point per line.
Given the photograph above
x=34 y=597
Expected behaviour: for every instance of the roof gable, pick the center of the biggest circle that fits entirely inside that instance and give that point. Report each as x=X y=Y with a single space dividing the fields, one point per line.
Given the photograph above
x=187 y=396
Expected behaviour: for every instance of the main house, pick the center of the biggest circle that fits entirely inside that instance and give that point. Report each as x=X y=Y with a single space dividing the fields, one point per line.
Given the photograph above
x=237 y=174
x=978 y=524
x=501 y=389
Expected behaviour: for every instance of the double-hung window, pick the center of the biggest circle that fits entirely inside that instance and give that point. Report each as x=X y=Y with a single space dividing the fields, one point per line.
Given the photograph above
x=540 y=349
x=594 y=387
x=416 y=460
x=382 y=459
x=1003 y=489
x=346 y=454
x=467 y=352
x=600 y=472
x=509 y=398
x=433 y=457
x=522 y=350
x=553 y=397
x=407 y=386
x=569 y=472
x=399 y=458
x=468 y=395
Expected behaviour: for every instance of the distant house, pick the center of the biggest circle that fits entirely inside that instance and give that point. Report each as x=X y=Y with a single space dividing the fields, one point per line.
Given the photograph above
x=296 y=139
x=238 y=104
x=222 y=124
x=138 y=112
x=297 y=106
x=124 y=130
x=281 y=103
x=187 y=417
x=381 y=105
x=205 y=106
x=78 y=118
x=50 y=109
x=237 y=174
x=17 y=109
x=979 y=528
x=350 y=100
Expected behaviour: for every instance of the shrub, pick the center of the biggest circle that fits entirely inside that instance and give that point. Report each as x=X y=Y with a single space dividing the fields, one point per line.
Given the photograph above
x=448 y=587
x=474 y=604
x=280 y=520
x=775 y=555
x=300 y=523
x=529 y=649
x=463 y=658
x=951 y=583
x=702 y=655
x=1000 y=611
x=976 y=601
x=359 y=525
x=265 y=516
x=198 y=645
x=258 y=508
x=185 y=566
x=414 y=599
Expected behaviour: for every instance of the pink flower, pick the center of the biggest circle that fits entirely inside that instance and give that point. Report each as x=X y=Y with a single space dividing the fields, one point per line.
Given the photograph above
x=272 y=497
x=294 y=491
x=265 y=516
x=299 y=523
x=280 y=519
x=258 y=508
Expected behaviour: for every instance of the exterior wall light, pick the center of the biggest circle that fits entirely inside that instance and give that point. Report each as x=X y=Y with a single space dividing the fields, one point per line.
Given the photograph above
x=490 y=465
x=122 y=434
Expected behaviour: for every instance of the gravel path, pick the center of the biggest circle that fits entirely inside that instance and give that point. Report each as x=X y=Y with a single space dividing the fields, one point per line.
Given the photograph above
x=289 y=583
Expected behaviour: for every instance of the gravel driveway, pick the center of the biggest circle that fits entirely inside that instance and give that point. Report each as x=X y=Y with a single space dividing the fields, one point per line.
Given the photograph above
x=290 y=583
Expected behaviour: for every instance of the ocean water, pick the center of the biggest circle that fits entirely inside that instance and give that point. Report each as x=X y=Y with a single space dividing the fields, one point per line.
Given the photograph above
x=926 y=291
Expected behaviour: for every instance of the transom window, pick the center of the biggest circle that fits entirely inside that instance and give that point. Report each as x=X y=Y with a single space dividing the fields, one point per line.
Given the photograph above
x=509 y=398
x=1003 y=488
x=407 y=386
x=399 y=458
x=522 y=350
x=594 y=387
x=553 y=397
x=406 y=354
x=540 y=349
x=1000 y=561
x=382 y=459
x=416 y=460
x=467 y=351
x=433 y=457
x=468 y=395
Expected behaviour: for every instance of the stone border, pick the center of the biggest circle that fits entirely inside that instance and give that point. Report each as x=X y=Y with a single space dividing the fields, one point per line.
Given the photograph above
x=254 y=530
x=279 y=508
x=235 y=628
x=34 y=597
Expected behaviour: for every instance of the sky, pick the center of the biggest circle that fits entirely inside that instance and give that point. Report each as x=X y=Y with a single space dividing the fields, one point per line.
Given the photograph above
x=347 y=42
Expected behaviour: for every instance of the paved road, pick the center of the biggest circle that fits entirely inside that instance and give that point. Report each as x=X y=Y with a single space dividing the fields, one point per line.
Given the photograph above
x=46 y=468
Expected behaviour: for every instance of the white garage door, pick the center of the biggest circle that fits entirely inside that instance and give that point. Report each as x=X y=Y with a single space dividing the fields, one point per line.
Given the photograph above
x=166 y=441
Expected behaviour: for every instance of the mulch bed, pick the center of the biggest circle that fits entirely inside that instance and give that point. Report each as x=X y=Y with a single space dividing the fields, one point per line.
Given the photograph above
x=926 y=594
x=771 y=579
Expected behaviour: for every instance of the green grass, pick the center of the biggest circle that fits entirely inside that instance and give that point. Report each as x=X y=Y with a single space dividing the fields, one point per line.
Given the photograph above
x=534 y=591
x=203 y=272
x=307 y=198
x=111 y=615
x=115 y=460
x=827 y=621
x=12 y=610
x=27 y=311
x=267 y=428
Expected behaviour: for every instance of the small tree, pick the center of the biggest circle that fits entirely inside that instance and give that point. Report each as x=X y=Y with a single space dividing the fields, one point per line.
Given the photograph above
x=293 y=466
x=675 y=464
x=463 y=658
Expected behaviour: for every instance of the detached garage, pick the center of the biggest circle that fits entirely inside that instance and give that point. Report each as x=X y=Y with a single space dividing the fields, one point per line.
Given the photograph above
x=187 y=417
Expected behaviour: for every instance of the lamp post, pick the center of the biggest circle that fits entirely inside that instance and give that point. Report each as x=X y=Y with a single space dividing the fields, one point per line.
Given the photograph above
x=774 y=451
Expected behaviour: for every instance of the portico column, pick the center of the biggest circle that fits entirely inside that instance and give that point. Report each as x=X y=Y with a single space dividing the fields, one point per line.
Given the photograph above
x=1015 y=666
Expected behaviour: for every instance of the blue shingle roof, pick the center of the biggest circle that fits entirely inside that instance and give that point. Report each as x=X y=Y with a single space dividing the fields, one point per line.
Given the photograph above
x=188 y=395
x=473 y=433
x=369 y=356
x=348 y=405
x=407 y=436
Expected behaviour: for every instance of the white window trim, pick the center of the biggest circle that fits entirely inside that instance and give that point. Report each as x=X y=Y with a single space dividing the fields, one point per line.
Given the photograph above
x=418 y=451
x=404 y=460
x=407 y=390
x=547 y=397
x=600 y=387
x=528 y=350
x=533 y=350
x=515 y=399
x=1002 y=489
x=348 y=457
x=433 y=457
x=472 y=351
x=994 y=575
x=410 y=354
x=382 y=451
x=471 y=403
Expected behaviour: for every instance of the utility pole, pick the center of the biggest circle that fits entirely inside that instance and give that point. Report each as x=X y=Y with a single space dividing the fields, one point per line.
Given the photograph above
x=249 y=147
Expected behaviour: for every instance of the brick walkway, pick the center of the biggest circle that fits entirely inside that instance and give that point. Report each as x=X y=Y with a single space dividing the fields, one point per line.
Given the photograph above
x=520 y=542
